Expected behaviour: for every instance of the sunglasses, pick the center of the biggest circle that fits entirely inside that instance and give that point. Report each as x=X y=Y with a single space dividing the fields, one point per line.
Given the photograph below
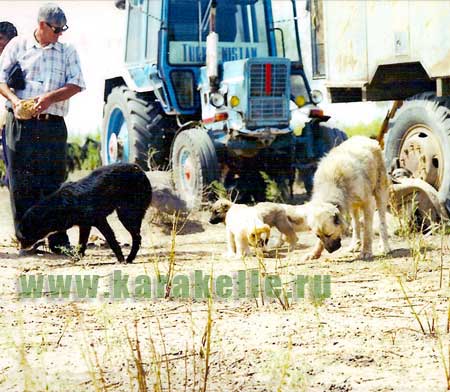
x=57 y=30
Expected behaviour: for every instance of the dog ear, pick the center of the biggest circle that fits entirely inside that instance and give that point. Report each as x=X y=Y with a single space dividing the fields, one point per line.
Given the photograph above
x=225 y=205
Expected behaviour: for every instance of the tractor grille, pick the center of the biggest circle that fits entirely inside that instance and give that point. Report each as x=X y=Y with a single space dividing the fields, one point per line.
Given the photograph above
x=269 y=94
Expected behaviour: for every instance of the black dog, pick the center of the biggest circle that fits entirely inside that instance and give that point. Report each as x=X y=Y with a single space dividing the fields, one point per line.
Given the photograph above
x=121 y=187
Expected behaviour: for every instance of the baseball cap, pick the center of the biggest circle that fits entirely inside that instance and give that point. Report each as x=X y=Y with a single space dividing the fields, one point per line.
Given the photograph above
x=53 y=14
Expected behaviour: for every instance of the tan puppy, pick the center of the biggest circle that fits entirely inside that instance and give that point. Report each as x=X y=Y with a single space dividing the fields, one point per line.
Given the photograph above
x=288 y=219
x=348 y=180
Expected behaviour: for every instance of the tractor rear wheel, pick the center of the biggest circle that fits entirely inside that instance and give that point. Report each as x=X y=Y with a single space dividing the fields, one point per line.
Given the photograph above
x=135 y=130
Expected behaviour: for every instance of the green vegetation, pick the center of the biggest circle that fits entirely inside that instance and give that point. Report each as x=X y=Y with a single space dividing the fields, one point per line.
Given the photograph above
x=80 y=140
x=365 y=129
x=275 y=192
x=2 y=169
x=92 y=160
x=83 y=154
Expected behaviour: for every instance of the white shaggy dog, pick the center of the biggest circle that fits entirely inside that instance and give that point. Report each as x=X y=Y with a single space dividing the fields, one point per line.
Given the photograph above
x=348 y=180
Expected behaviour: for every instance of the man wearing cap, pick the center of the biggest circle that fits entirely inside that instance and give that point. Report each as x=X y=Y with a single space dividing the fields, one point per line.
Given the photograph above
x=36 y=143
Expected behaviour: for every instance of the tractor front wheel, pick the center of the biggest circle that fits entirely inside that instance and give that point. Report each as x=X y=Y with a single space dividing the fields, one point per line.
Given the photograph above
x=194 y=165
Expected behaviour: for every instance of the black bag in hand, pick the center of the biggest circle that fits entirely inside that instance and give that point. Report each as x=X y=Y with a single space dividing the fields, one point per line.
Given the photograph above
x=16 y=79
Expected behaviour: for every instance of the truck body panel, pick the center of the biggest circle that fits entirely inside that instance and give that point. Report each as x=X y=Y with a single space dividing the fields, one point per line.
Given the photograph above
x=386 y=49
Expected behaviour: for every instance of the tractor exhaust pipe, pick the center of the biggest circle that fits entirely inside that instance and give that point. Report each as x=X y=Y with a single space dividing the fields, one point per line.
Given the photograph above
x=212 y=41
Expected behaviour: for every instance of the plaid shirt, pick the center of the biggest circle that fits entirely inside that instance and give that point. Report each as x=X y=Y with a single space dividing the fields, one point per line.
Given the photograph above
x=45 y=69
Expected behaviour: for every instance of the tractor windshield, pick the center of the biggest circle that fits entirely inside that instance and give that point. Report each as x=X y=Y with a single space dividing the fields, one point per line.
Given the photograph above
x=240 y=24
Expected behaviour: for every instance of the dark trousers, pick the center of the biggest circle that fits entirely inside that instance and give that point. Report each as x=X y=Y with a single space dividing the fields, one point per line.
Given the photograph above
x=36 y=155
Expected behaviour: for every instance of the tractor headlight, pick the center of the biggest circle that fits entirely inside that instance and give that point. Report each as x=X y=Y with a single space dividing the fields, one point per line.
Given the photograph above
x=300 y=100
x=234 y=101
x=316 y=96
x=216 y=100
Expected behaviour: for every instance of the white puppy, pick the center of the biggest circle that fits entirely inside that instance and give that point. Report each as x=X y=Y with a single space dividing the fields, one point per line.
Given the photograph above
x=244 y=226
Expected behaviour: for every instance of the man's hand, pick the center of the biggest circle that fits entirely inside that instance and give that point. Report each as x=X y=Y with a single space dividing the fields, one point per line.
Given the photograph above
x=45 y=100
x=42 y=102
x=15 y=102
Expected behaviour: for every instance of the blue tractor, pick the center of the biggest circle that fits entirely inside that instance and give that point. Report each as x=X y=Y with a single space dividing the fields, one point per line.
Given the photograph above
x=208 y=91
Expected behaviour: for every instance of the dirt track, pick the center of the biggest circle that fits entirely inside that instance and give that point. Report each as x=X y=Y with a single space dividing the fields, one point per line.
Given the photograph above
x=362 y=338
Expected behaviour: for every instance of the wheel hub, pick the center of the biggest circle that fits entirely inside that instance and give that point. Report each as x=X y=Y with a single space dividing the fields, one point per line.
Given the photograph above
x=113 y=147
x=187 y=171
x=420 y=153
x=117 y=138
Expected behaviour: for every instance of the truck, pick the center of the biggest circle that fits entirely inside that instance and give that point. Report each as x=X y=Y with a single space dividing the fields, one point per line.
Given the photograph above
x=215 y=90
x=393 y=51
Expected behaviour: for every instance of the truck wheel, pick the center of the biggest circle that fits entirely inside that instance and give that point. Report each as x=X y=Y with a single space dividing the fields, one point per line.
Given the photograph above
x=329 y=138
x=131 y=127
x=194 y=165
x=418 y=137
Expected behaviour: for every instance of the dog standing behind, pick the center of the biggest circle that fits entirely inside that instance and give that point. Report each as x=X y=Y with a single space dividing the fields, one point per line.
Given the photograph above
x=286 y=218
x=346 y=181
x=120 y=187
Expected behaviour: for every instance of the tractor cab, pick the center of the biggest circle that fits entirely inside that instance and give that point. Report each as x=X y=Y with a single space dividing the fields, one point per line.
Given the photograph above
x=172 y=45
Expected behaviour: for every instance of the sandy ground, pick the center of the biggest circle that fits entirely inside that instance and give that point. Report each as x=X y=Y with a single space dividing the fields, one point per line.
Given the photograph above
x=362 y=338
